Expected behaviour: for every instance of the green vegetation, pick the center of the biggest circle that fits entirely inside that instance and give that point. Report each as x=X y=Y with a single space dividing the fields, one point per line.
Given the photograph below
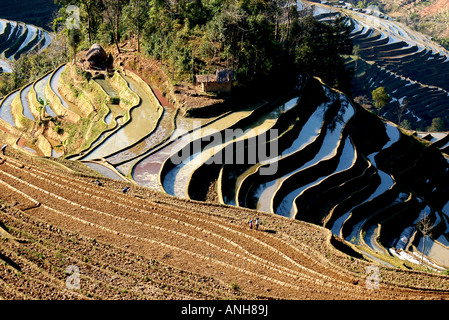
x=235 y=286
x=437 y=125
x=380 y=98
x=264 y=42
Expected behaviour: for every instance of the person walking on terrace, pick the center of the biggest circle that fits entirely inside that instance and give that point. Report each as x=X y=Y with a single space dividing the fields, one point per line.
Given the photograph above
x=257 y=223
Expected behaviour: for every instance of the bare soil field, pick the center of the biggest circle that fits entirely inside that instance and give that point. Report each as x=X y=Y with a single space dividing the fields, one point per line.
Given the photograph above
x=147 y=245
x=437 y=7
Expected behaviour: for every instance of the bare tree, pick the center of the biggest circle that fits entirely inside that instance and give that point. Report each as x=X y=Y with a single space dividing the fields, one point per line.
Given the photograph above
x=425 y=226
x=364 y=101
x=402 y=106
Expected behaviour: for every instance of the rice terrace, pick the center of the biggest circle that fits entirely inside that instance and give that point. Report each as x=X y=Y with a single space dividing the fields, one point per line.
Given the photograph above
x=224 y=150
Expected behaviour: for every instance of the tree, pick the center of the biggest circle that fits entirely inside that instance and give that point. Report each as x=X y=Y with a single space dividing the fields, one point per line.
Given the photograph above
x=230 y=26
x=380 y=98
x=437 y=125
x=319 y=48
x=402 y=106
x=74 y=39
x=90 y=12
x=406 y=124
x=113 y=10
x=134 y=16
x=42 y=105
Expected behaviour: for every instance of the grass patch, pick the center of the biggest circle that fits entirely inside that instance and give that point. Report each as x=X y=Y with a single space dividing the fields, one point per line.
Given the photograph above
x=235 y=286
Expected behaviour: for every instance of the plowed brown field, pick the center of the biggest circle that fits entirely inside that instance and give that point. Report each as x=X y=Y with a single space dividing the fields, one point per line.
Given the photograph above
x=148 y=245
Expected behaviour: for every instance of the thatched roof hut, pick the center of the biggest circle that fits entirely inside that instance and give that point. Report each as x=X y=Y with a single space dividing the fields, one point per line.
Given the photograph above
x=97 y=57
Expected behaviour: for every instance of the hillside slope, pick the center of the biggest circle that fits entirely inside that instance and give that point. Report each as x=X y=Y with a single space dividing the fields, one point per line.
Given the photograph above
x=412 y=68
x=337 y=188
x=337 y=165
x=436 y=7
x=146 y=245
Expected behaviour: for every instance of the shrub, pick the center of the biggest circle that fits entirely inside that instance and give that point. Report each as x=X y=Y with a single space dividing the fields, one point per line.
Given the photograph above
x=58 y=129
x=115 y=100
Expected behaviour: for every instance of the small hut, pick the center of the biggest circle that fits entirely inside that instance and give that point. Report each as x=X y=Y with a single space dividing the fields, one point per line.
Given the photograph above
x=97 y=57
x=221 y=81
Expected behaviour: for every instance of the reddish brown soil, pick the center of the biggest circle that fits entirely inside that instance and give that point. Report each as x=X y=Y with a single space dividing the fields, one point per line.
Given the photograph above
x=180 y=95
x=147 y=245
x=437 y=7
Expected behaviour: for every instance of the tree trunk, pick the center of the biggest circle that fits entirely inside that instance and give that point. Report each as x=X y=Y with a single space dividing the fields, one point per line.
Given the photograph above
x=423 y=250
x=173 y=67
x=111 y=21
x=117 y=17
x=138 y=37
x=114 y=35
